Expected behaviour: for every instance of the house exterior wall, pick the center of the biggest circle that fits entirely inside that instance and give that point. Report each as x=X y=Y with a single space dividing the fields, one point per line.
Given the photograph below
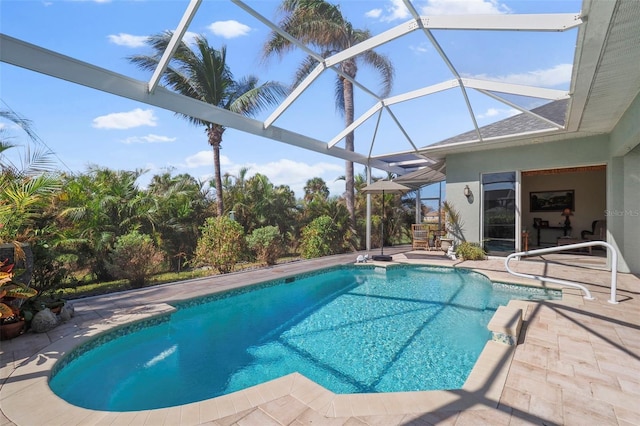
x=466 y=168
x=623 y=188
x=631 y=212
x=626 y=135
x=619 y=151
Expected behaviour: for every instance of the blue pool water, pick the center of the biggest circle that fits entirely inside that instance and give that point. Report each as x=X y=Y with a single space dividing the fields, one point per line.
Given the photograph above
x=351 y=330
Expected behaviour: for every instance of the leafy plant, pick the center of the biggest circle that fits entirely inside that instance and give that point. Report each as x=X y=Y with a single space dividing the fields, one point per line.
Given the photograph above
x=135 y=257
x=320 y=238
x=470 y=251
x=11 y=294
x=49 y=272
x=221 y=244
x=455 y=224
x=267 y=244
x=27 y=186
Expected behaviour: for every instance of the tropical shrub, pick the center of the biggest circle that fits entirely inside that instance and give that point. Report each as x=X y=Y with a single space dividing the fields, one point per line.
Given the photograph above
x=12 y=294
x=221 y=244
x=267 y=243
x=134 y=258
x=49 y=272
x=470 y=251
x=320 y=238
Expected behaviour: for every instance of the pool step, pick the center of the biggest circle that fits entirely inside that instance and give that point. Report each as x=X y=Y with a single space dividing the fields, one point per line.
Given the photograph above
x=506 y=324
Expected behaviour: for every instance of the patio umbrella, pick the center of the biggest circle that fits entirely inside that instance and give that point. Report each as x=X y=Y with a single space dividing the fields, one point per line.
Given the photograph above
x=382 y=187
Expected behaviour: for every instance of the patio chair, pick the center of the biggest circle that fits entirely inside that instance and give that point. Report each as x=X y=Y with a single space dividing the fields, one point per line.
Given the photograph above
x=419 y=236
x=598 y=231
x=436 y=234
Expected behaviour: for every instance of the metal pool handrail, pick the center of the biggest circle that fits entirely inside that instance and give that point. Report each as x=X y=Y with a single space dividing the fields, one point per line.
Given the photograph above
x=614 y=266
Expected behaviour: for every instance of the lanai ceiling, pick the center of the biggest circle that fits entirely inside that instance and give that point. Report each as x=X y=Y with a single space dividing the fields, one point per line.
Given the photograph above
x=605 y=80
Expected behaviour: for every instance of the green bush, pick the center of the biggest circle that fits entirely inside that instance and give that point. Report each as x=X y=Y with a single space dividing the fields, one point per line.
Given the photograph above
x=49 y=272
x=470 y=251
x=320 y=238
x=221 y=244
x=135 y=257
x=267 y=244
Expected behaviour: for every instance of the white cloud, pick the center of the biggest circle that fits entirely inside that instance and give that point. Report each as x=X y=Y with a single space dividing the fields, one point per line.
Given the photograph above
x=393 y=11
x=128 y=40
x=150 y=138
x=200 y=159
x=294 y=174
x=189 y=37
x=464 y=7
x=373 y=13
x=495 y=113
x=126 y=120
x=558 y=75
x=10 y=126
x=204 y=159
x=421 y=48
x=229 y=29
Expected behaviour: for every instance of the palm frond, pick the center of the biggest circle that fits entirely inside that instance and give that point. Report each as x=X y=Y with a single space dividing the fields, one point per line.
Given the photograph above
x=339 y=95
x=383 y=65
x=251 y=99
x=307 y=65
x=21 y=122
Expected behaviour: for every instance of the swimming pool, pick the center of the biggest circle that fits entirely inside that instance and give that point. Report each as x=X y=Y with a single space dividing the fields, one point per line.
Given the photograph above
x=350 y=329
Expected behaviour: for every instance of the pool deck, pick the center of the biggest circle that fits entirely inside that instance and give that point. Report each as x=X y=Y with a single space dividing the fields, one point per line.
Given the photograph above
x=577 y=361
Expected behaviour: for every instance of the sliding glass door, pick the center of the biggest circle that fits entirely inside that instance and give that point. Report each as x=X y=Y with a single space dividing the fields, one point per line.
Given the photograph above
x=499 y=212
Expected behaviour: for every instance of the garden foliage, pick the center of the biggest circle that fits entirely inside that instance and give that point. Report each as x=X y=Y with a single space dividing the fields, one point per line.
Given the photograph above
x=267 y=244
x=134 y=258
x=470 y=251
x=221 y=244
x=320 y=238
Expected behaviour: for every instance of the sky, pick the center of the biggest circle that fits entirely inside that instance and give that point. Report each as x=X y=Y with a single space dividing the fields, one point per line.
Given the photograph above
x=86 y=127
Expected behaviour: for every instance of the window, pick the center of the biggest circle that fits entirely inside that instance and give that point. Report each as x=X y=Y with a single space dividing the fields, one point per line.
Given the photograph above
x=499 y=212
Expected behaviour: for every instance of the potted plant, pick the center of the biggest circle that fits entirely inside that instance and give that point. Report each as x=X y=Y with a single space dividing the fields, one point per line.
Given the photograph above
x=453 y=228
x=446 y=243
x=12 y=294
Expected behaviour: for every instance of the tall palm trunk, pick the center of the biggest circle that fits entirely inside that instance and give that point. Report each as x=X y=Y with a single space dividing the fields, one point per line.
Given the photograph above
x=349 y=68
x=214 y=133
x=321 y=24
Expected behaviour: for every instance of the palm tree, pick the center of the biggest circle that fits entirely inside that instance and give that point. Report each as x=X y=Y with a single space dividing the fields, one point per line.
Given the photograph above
x=99 y=207
x=321 y=24
x=182 y=204
x=27 y=189
x=203 y=74
x=236 y=196
x=315 y=188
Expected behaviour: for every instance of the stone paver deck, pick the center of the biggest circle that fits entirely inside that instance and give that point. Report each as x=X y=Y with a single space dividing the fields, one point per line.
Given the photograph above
x=577 y=363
